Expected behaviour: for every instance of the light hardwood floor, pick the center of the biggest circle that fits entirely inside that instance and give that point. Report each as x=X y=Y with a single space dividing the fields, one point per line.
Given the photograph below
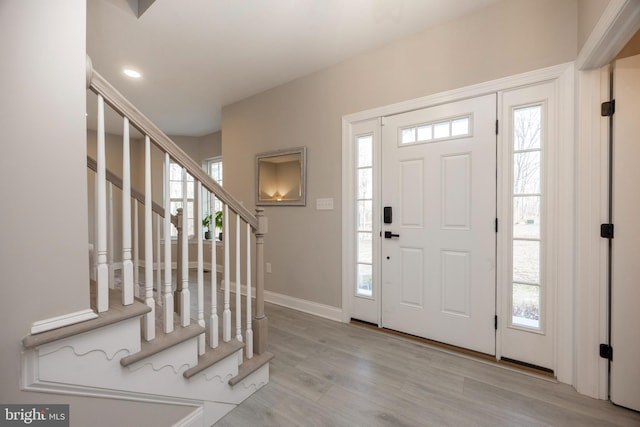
x=333 y=374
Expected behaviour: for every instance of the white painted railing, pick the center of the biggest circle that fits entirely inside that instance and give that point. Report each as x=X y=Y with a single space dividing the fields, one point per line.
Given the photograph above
x=255 y=333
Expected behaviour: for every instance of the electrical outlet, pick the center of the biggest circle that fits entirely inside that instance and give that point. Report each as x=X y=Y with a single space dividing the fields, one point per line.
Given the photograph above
x=267 y=266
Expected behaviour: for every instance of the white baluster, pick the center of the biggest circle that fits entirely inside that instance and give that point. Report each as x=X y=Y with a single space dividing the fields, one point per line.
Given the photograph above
x=127 y=265
x=167 y=292
x=238 y=285
x=198 y=226
x=158 y=267
x=213 y=320
x=226 y=314
x=185 y=296
x=136 y=251
x=249 y=333
x=110 y=251
x=102 y=270
x=94 y=268
x=177 y=294
x=149 y=318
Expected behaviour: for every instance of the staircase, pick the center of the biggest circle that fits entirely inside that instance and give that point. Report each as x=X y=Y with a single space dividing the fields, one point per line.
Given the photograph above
x=155 y=347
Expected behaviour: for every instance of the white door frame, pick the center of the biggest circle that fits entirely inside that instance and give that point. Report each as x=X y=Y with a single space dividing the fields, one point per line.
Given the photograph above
x=618 y=23
x=564 y=74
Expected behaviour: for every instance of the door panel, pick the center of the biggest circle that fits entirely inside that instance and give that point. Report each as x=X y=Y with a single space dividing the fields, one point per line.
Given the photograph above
x=625 y=282
x=412 y=276
x=412 y=192
x=455 y=282
x=439 y=177
x=456 y=182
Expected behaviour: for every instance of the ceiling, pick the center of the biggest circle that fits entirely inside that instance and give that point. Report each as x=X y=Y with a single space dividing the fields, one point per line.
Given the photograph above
x=197 y=56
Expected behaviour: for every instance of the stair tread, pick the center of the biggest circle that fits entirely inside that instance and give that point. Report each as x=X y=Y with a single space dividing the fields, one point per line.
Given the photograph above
x=163 y=341
x=249 y=366
x=213 y=356
x=116 y=313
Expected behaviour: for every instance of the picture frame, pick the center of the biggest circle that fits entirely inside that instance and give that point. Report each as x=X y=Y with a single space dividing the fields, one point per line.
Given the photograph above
x=281 y=177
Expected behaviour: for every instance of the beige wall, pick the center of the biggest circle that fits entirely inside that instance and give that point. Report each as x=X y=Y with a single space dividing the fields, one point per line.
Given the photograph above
x=631 y=48
x=202 y=147
x=304 y=244
x=42 y=174
x=589 y=12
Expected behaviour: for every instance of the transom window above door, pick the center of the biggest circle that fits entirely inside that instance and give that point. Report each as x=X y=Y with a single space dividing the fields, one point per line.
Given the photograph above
x=457 y=127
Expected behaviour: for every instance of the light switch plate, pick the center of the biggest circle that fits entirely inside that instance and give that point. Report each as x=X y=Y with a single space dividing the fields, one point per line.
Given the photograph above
x=324 y=204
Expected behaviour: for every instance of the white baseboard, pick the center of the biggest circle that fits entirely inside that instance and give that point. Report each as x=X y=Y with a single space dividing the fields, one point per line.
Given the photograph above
x=310 y=307
x=305 y=306
x=60 y=321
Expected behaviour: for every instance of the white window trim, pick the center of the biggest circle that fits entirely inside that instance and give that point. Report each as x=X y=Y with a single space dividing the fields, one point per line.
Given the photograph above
x=206 y=162
x=189 y=200
x=206 y=201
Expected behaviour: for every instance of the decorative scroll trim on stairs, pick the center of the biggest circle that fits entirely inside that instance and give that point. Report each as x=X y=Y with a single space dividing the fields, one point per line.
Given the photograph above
x=222 y=380
x=176 y=369
x=77 y=353
x=254 y=385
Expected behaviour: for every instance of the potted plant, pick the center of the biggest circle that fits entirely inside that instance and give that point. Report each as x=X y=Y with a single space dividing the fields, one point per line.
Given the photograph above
x=219 y=223
x=206 y=222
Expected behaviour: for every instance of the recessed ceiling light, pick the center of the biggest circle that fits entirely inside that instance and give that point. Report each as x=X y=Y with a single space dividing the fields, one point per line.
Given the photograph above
x=132 y=73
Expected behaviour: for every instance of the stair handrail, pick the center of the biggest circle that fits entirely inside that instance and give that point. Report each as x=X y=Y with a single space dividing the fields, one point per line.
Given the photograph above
x=256 y=331
x=117 y=181
x=100 y=86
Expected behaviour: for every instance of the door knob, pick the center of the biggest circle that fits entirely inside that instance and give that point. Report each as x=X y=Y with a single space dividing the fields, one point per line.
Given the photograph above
x=389 y=235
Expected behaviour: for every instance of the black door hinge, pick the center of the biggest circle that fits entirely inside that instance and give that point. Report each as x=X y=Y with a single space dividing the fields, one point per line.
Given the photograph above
x=606 y=351
x=495 y=322
x=496 y=126
x=496 y=225
x=606 y=231
x=607 y=109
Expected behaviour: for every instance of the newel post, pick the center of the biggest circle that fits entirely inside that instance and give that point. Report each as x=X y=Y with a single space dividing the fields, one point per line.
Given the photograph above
x=260 y=321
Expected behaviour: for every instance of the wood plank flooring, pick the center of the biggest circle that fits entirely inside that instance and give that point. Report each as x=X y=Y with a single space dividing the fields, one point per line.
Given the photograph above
x=333 y=374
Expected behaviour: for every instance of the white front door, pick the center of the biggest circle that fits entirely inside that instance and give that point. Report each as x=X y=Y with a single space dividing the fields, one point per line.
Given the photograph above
x=438 y=252
x=625 y=268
